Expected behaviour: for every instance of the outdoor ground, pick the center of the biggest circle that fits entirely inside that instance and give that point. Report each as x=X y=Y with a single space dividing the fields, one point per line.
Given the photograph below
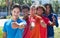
x=57 y=32
x=0 y=32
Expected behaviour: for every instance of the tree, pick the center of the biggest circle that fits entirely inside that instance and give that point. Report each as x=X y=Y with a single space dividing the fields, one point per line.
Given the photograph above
x=2 y=3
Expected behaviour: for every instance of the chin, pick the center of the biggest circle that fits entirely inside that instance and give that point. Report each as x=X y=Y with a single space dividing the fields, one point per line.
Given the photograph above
x=15 y=17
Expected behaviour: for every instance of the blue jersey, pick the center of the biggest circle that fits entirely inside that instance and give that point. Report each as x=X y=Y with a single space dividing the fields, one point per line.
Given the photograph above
x=50 y=30
x=13 y=33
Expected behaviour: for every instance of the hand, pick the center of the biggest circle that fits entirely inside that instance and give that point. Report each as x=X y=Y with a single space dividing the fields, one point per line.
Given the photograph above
x=53 y=23
x=32 y=25
x=31 y=28
x=53 y=18
x=15 y=25
x=43 y=23
x=21 y=26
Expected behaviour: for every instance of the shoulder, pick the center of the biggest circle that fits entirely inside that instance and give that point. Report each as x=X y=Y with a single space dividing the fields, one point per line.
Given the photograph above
x=55 y=15
x=45 y=18
x=20 y=20
x=8 y=22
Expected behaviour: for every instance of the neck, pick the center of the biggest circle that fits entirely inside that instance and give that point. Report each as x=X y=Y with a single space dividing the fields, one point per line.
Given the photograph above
x=32 y=15
x=47 y=13
x=40 y=15
x=13 y=18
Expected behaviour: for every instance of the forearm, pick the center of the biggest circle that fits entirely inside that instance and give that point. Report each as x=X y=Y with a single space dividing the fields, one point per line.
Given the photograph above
x=22 y=25
x=52 y=23
x=4 y=35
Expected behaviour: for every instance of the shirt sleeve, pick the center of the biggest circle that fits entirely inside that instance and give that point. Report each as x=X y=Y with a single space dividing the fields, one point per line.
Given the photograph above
x=47 y=21
x=56 y=21
x=23 y=22
x=4 y=28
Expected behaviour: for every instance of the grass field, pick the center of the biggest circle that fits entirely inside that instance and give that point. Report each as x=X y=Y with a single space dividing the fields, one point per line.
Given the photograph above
x=57 y=32
x=0 y=32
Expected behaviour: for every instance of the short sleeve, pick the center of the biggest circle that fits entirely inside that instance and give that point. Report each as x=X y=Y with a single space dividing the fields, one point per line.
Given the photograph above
x=4 y=28
x=23 y=21
x=56 y=21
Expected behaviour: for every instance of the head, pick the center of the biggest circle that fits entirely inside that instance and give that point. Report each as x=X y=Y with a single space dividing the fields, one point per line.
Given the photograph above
x=32 y=10
x=15 y=11
x=25 y=9
x=40 y=10
x=49 y=8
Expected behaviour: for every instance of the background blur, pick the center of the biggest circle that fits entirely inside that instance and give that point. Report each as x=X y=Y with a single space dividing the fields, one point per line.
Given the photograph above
x=5 y=11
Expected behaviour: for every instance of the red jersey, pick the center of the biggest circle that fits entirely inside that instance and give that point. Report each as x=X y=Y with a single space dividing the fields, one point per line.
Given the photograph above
x=43 y=30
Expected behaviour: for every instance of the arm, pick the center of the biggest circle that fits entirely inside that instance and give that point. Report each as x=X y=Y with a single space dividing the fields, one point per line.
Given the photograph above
x=56 y=21
x=4 y=31
x=22 y=24
x=32 y=25
x=4 y=34
x=43 y=23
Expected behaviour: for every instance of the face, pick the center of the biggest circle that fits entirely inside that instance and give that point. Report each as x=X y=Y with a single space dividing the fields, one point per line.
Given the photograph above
x=32 y=10
x=39 y=11
x=47 y=9
x=25 y=11
x=15 y=12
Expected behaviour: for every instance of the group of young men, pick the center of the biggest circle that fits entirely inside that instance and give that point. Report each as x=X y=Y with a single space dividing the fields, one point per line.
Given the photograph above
x=37 y=22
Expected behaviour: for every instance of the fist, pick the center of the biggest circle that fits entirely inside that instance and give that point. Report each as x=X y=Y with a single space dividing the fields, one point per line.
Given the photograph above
x=21 y=26
x=43 y=24
x=53 y=18
x=14 y=25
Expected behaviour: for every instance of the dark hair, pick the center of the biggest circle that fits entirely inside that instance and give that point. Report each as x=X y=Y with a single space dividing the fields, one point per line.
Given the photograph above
x=42 y=8
x=16 y=6
x=51 y=9
x=25 y=7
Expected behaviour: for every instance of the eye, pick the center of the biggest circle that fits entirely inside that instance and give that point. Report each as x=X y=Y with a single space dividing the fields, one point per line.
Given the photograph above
x=14 y=11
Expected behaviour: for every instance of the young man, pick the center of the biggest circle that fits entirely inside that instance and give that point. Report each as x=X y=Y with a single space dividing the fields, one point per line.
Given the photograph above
x=14 y=27
x=34 y=21
x=25 y=11
x=32 y=29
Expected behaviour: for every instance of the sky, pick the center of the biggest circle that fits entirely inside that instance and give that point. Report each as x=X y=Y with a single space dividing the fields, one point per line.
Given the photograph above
x=43 y=1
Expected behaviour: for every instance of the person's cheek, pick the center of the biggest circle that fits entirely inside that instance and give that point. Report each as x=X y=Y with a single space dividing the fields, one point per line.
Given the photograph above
x=18 y=14
x=13 y=13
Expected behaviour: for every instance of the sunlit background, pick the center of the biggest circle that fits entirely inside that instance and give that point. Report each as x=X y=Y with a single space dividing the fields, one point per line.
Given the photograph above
x=5 y=10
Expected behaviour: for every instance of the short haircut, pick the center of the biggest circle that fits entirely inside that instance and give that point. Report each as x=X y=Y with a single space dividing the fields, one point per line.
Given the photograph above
x=16 y=6
x=25 y=7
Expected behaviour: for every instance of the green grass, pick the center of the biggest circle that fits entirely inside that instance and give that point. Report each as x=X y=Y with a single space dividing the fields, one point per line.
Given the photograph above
x=57 y=32
x=0 y=32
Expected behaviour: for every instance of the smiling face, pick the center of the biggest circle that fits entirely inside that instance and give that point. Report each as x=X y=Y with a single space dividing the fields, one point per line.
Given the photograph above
x=25 y=11
x=39 y=11
x=32 y=10
x=47 y=9
x=16 y=12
